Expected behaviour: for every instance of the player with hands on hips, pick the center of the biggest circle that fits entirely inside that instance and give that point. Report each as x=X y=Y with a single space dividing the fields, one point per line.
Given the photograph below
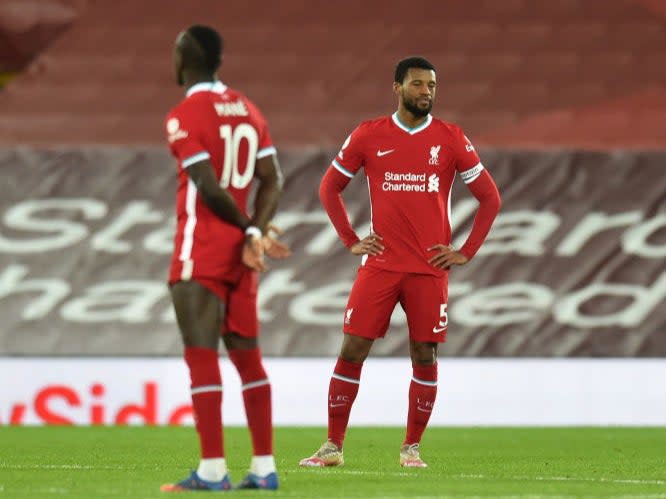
x=410 y=160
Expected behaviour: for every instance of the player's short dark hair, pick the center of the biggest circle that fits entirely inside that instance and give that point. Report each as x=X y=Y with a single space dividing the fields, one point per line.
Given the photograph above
x=211 y=44
x=411 y=62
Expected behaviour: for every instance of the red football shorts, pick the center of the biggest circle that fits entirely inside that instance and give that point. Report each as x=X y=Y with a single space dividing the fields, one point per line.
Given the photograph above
x=375 y=294
x=241 y=303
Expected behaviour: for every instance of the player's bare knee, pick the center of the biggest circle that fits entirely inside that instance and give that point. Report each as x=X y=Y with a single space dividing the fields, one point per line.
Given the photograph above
x=355 y=349
x=423 y=354
x=200 y=338
x=234 y=341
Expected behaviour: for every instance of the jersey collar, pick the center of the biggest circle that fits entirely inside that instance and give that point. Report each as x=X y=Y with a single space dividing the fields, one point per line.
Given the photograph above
x=207 y=86
x=404 y=127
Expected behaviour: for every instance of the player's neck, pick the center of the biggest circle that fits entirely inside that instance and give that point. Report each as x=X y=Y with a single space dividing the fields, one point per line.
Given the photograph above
x=189 y=80
x=408 y=119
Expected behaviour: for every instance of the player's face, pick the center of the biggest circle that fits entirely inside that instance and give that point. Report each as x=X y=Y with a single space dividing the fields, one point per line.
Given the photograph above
x=417 y=91
x=178 y=59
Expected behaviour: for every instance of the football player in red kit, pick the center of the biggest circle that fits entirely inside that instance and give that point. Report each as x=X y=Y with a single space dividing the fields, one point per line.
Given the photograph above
x=221 y=142
x=410 y=160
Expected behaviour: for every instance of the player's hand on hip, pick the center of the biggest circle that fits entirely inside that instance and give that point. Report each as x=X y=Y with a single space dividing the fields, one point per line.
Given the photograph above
x=369 y=245
x=253 y=253
x=272 y=246
x=446 y=256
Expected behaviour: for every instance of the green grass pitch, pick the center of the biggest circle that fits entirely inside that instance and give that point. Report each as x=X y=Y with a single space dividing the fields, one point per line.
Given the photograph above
x=507 y=463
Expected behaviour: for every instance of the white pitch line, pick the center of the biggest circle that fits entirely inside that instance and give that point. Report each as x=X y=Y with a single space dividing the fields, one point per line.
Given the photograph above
x=524 y=496
x=295 y=494
x=569 y=479
x=341 y=471
x=489 y=477
x=440 y=496
x=67 y=492
x=53 y=490
x=529 y=496
x=72 y=467
x=284 y=493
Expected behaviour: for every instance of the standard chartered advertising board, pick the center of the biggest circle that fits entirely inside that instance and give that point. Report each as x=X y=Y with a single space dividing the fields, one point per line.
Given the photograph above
x=574 y=265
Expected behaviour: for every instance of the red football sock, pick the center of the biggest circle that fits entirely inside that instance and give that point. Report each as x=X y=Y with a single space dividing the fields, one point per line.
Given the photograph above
x=206 y=389
x=422 y=393
x=257 y=399
x=341 y=395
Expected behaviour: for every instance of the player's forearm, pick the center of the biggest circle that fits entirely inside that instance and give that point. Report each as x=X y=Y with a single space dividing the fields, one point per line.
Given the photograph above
x=485 y=191
x=218 y=200
x=223 y=205
x=330 y=194
x=265 y=204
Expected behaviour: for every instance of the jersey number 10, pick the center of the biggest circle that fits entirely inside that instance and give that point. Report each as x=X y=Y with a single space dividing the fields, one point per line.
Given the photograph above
x=232 y=138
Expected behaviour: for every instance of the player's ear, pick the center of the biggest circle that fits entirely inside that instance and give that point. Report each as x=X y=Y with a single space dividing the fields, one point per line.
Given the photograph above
x=396 y=88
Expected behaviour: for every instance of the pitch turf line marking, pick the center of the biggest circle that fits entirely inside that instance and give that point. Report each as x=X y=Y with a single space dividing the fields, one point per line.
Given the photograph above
x=53 y=490
x=569 y=479
x=73 y=467
x=525 y=496
x=315 y=469
x=351 y=472
x=488 y=477
x=60 y=490
x=67 y=492
x=529 y=496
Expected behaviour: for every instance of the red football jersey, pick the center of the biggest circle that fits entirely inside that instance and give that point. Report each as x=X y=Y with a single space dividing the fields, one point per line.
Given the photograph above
x=410 y=174
x=217 y=123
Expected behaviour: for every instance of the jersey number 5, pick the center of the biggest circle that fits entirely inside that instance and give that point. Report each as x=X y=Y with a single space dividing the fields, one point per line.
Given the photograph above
x=233 y=137
x=443 y=319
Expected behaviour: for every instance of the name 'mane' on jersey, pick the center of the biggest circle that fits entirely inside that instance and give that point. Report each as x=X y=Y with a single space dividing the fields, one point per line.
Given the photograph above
x=216 y=123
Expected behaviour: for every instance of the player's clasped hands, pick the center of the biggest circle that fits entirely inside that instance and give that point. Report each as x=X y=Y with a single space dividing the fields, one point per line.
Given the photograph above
x=446 y=256
x=255 y=248
x=253 y=253
x=272 y=246
x=369 y=245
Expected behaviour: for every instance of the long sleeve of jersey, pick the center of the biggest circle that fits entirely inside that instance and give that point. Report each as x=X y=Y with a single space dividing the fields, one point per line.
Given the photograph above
x=485 y=191
x=330 y=194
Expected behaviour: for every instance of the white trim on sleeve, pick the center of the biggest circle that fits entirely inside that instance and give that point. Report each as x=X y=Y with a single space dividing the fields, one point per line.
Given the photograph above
x=266 y=151
x=472 y=174
x=342 y=169
x=200 y=156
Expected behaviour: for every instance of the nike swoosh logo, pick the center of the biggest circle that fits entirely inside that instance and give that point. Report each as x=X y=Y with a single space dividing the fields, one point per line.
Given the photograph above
x=423 y=410
x=438 y=329
x=384 y=153
x=335 y=405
